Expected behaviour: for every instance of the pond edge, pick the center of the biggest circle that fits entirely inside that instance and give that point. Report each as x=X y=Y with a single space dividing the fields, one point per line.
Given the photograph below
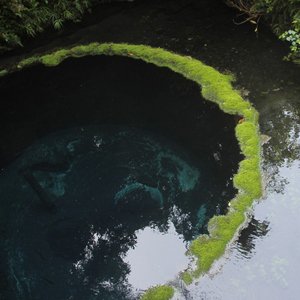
x=215 y=87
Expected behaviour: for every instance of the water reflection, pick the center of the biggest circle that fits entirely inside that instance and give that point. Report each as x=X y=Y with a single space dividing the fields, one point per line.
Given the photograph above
x=247 y=240
x=271 y=267
x=82 y=205
x=283 y=148
x=152 y=259
x=263 y=263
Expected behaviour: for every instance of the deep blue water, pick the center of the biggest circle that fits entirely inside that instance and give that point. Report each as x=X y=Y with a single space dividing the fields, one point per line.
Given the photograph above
x=110 y=167
x=76 y=199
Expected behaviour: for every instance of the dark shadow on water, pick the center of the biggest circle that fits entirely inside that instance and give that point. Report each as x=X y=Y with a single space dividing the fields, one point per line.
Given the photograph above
x=115 y=148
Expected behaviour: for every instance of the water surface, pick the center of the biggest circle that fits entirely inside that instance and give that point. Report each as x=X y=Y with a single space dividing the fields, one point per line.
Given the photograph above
x=110 y=167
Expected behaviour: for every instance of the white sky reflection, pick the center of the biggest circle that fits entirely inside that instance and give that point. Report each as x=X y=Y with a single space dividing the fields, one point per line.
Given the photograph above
x=152 y=260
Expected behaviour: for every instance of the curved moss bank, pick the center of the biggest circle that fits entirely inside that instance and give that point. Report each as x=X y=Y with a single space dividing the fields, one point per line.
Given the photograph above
x=216 y=87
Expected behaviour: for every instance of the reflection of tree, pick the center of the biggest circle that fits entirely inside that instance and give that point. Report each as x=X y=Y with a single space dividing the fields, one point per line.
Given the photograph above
x=282 y=125
x=79 y=248
x=246 y=241
x=105 y=186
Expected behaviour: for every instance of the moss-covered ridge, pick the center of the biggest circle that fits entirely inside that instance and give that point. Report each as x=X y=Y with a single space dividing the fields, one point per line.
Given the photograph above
x=216 y=87
x=161 y=292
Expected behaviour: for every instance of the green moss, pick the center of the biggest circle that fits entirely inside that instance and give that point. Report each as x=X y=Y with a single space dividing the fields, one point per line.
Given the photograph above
x=209 y=248
x=241 y=202
x=187 y=277
x=28 y=62
x=216 y=87
x=3 y=72
x=162 y=292
x=55 y=58
x=248 y=182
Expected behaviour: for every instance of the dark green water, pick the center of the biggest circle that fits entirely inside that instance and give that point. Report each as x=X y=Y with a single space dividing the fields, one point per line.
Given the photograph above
x=110 y=167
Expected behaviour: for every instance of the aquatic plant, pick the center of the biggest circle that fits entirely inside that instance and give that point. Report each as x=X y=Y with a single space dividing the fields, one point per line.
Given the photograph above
x=162 y=292
x=215 y=87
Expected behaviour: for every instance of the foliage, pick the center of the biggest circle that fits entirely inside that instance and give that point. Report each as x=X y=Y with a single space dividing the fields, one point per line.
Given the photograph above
x=19 y=18
x=216 y=87
x=285 y=20
x=29 y=17
x=283 y=15
x=162 y=292
x=293 y=37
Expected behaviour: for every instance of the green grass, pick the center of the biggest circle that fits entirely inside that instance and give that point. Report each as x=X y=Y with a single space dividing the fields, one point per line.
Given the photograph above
x=161 y=292
x=215 y=87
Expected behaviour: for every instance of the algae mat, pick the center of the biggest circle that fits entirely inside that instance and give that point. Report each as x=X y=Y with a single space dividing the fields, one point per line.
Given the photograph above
x=215 y=87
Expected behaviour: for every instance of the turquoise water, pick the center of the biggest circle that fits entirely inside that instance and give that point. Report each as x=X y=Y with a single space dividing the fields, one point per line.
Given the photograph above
x=108 y=167
x=83 y=206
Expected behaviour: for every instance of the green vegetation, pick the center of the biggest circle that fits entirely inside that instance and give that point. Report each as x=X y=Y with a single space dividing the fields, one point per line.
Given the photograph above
x=20 y=18
x=282 y=15
x=29 y=17
x=3 y=72
x=293 y=37
x=162 y=292
x=217 y=88
x=187 y=277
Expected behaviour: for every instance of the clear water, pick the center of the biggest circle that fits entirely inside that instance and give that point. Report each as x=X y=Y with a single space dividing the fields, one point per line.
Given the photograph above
x=264 y=263
x=86 y=204
x=104 y=179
